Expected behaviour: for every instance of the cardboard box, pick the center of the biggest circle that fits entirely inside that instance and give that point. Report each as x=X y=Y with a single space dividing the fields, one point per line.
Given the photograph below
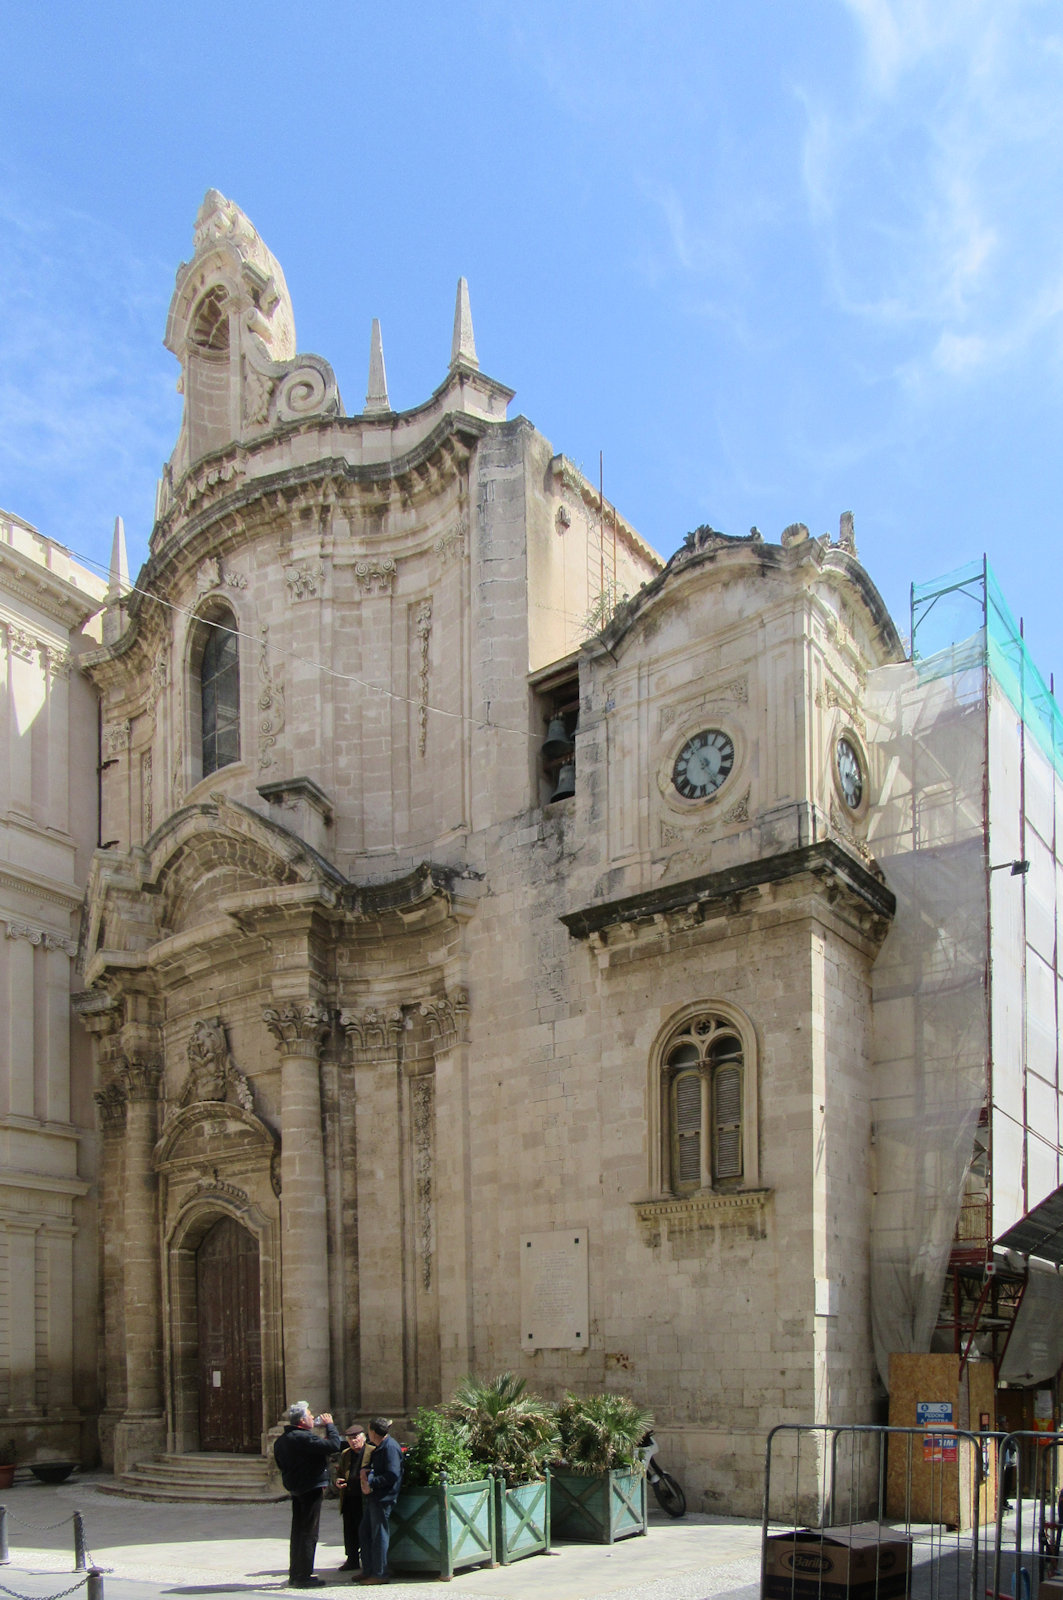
x=859 y=1562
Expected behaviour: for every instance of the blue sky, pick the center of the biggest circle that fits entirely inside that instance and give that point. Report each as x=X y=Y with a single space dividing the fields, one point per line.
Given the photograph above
x=775 y=261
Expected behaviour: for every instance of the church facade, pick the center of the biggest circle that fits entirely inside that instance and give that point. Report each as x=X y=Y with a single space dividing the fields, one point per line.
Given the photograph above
x=479 y=963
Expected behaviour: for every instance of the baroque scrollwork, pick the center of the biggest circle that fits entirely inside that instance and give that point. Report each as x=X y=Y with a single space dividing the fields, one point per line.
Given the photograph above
x=452 y=543
x=212 y=1072
x=111 y=1102
x=297 y=1026
x=41 y=936
x=302 y=579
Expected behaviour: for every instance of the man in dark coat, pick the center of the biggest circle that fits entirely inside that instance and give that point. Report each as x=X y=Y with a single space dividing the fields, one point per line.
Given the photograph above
x=381 y=1478
x=349 y=1484
x=302 y=1457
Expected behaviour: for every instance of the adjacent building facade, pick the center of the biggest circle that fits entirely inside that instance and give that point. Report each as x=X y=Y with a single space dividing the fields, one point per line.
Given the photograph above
x=480 y=966
x=48 y=830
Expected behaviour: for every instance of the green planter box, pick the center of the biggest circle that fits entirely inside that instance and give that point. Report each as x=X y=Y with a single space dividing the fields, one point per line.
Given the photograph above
x=443 y=1529
x=522 y=1520
x=598 y=1508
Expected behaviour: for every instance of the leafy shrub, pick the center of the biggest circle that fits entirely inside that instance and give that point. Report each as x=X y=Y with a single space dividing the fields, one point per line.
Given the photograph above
x=508 y=1431
x=440 y=1452
x=602 y=1432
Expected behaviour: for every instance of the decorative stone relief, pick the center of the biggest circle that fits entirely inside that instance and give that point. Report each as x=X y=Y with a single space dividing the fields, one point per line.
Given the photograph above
x=303 y=579
x=159 y=679
x=212 y=1073
x=739 y=811
x=840 y=825
x=115 y=740
x=424 y=633
x=372 y=1030
x=209 y=575
x=295 y=1025
x=423 y=1112
x=145 y=790
x=452 y=543
x=257 y=391
x=141 y=1076
x=218 y=1186
x=562 y=519
x=447 y=1016
x=830 y=697
x=270 y=704
x=42 y=937
x=375 y=577
x=205 y=481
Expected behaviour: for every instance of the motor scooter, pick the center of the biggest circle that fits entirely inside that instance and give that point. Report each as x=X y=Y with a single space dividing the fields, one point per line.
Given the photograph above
x=670 y=1496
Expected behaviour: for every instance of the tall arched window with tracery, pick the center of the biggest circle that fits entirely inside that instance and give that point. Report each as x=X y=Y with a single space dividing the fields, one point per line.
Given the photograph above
x=703 y=1083
x=216 y=690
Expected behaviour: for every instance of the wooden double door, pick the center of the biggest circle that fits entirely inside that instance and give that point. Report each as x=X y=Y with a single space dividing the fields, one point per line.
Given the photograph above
x=230 y=1340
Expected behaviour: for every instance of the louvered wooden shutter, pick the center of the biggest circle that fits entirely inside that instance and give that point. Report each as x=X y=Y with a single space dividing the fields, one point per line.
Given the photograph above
x=688 y=1130
x=727 y=1123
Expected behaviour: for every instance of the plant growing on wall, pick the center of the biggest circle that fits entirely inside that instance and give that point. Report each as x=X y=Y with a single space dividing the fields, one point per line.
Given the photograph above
x=509 y=1431
x=602 y=1432
x=440 y=1453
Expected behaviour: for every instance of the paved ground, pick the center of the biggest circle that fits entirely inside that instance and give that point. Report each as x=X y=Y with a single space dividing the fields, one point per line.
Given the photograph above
x=167 y=1549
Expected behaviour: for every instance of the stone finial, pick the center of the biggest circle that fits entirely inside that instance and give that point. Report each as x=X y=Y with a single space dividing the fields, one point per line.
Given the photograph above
x=847 y=532
x=463 y=344
x=118 y=578
x=796 y=533
x=377 y=397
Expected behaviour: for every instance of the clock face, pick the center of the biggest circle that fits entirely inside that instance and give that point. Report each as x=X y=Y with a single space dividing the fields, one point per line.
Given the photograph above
x=703 y=764
x=849 y=774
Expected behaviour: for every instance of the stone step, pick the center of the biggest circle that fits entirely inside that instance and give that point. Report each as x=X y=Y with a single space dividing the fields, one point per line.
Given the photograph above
x=226 y=1479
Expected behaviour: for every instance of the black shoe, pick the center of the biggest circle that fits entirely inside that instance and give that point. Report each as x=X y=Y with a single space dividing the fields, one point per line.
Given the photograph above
x=350 y=1565
x=306 y=1583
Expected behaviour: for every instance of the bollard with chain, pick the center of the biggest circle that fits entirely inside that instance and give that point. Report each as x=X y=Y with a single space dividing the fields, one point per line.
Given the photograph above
x=79 y=1542
x=95 y=1584
x=5 y=1554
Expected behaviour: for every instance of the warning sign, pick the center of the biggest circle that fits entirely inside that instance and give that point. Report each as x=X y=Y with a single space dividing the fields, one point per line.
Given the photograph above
x=936 y=1414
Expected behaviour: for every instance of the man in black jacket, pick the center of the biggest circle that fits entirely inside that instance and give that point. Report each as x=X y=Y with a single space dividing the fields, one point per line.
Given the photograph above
x=381 y=1477
x=302 y=1457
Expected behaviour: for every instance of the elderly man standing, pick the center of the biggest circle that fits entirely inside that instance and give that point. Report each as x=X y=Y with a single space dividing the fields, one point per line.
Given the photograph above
x=381 y=1477
x=302 y=1457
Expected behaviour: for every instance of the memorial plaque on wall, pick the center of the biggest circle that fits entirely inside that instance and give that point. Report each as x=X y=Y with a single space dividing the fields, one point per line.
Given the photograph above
x=553 y=1290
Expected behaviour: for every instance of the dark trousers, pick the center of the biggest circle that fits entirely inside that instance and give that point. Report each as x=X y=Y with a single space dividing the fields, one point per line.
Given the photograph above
x=351 y=1512
x=306 y=1514
x=375 y=1534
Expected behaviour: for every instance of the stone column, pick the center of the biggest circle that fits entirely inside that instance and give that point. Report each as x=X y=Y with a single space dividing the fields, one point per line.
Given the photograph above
x=141 y=1430
x=300 y=1029
x=111 y=1103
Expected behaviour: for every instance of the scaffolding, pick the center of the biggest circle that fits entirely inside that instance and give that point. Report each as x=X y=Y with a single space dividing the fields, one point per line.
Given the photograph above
x=968 y=745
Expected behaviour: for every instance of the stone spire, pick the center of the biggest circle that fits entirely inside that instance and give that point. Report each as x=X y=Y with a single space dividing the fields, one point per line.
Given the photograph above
x=117 y=586
x=463 y=344
x=377 y=397
x=118 y=577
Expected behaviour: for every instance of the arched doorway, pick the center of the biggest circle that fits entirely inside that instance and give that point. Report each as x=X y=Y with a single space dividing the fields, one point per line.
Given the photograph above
x=230 y=1339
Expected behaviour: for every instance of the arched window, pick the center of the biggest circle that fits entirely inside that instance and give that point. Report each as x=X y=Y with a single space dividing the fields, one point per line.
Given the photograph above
x=210 y=327
x=703 y=1092
x=219 y=691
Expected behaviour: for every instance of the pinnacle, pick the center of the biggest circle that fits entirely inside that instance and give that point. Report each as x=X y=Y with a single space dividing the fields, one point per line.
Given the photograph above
x=463 y=344
x=377 y=397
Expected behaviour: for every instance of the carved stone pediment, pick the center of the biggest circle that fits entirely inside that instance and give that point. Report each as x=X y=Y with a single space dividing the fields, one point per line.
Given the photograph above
x=214 y=1135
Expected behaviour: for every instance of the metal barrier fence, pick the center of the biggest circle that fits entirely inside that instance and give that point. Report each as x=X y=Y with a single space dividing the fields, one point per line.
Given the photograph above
x=91 y=1579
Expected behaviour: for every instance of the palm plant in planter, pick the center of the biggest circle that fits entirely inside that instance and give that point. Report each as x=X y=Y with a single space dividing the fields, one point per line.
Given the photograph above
x=513 y=1435
x=599 y=1485
x=444 y=1518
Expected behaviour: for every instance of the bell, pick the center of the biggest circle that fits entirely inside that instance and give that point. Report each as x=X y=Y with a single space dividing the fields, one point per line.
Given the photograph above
x=558 y=744
x=566 y=783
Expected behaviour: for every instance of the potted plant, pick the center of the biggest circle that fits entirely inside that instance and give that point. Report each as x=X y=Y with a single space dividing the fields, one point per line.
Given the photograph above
x=7 y=1463
x=513 y=1435
x=444 y=1518
x=599 y=1483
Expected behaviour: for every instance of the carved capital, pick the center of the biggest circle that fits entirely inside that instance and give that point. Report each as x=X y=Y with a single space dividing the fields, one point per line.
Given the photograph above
x=41 y=936
x=447 y=1016
x=298 y=1027
x=375 y=577
x=111 y=1103
x=372 y=1029
x=22 y=643
x=115 y=740
x=141 y=1076
x=303 y=579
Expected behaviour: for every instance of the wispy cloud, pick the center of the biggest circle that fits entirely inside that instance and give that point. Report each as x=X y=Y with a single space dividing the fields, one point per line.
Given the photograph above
x=87 y=408
x=936 y=192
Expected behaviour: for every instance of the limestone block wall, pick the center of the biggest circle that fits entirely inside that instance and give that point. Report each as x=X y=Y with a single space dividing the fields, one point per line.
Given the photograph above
x=48 y=1154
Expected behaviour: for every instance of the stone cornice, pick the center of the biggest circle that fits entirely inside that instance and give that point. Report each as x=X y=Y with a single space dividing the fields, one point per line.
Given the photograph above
x=696 y=1210
x=826 y=861
x=37 y=586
